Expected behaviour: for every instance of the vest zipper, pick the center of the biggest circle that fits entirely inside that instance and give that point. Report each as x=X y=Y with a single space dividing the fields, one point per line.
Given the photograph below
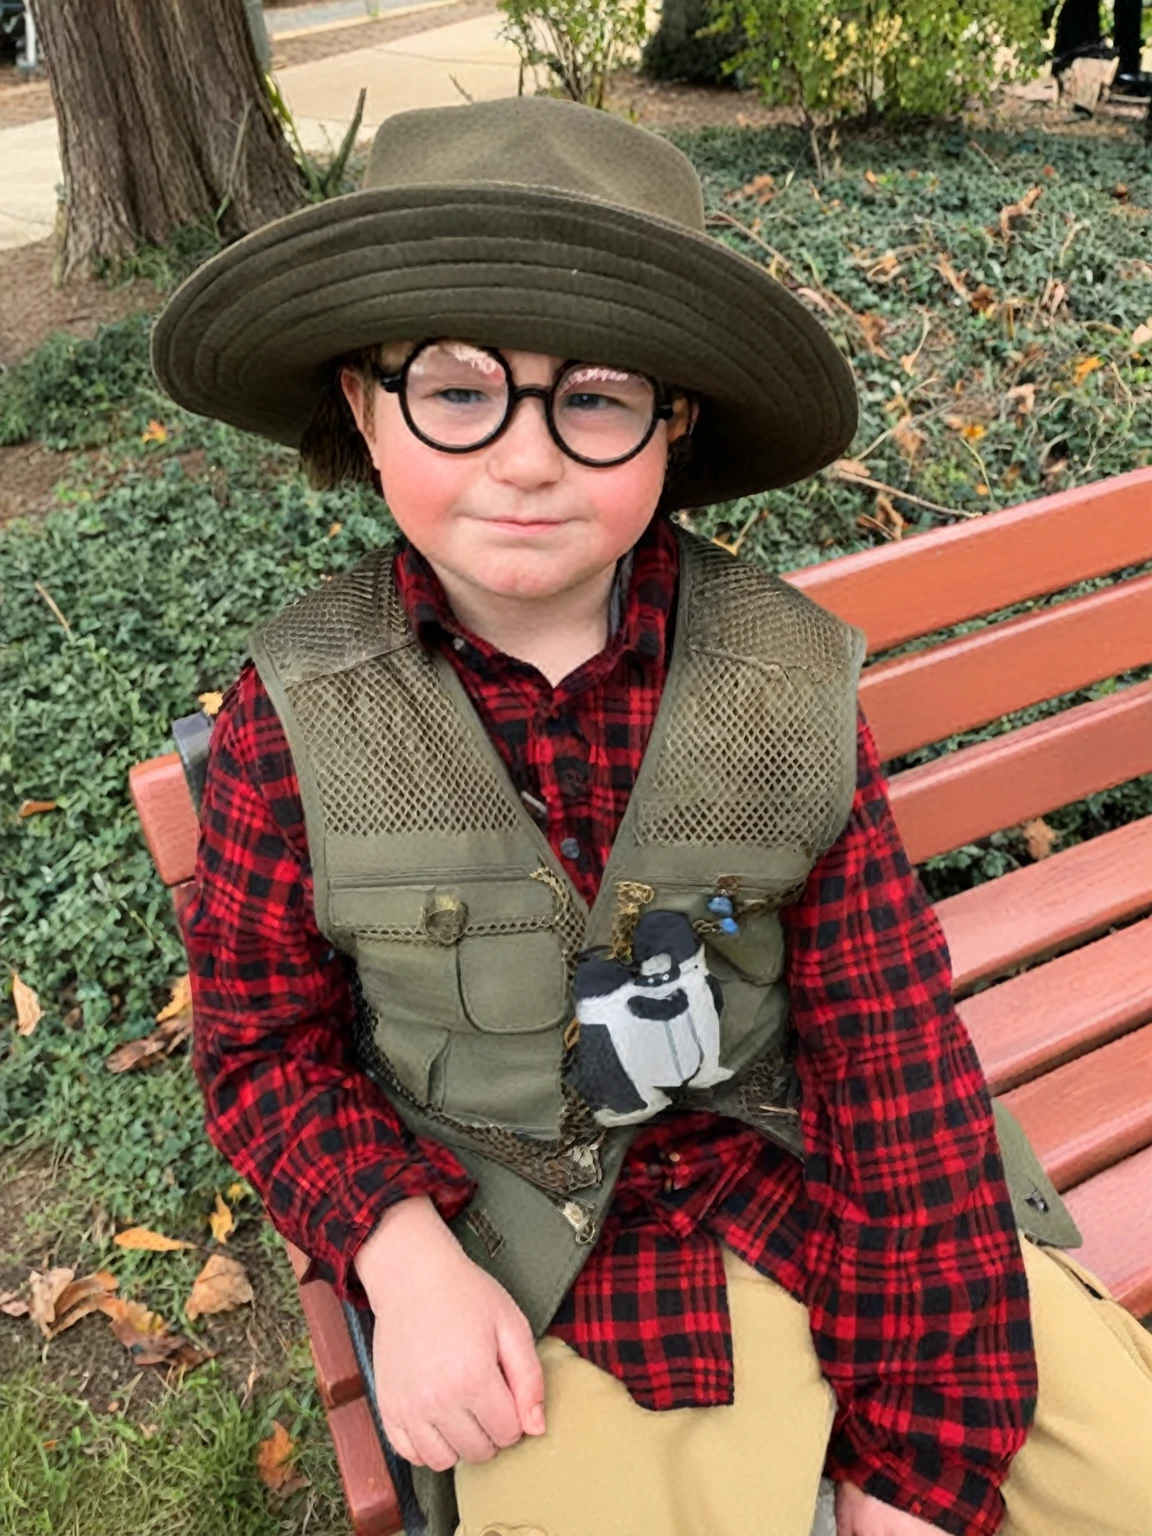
x=582 y=1219
x=369 y=880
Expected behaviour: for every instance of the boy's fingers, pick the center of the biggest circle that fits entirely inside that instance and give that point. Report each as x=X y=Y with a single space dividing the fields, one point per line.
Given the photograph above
x=496 y=1412
x=523 y=1372
x=462 y=1431
x=400 y=1442
x=431 y=1449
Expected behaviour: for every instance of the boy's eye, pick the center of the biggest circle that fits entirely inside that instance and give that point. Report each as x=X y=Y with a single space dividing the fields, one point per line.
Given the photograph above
x=585 y=400
x=460 y=394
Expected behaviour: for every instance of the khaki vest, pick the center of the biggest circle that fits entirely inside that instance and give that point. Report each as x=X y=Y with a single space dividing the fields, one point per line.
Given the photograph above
x=431 y=875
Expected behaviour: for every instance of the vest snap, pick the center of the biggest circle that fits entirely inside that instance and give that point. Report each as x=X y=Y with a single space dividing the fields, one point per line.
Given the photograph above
x=1037 y=1201
x=445 y=919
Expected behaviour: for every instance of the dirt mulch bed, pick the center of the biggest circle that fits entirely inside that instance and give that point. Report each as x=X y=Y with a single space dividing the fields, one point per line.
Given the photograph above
x=22 y=101
x=32 y=307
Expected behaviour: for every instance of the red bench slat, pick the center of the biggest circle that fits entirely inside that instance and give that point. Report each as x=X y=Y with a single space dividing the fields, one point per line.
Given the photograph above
x=937 y=579
x=337 y=1373
x=1047 y=907
x=1114 y=1213
x=167 y=816
x=1058 y=1011
x=936 y=693
x=372 y=1503
x=1087 y=1115
x=965 y=795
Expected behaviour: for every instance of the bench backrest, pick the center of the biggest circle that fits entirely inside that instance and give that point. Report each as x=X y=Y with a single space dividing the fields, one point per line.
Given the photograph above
x=915 y=588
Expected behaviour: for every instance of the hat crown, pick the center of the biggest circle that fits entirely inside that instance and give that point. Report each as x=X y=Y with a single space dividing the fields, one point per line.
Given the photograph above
x=540 y=142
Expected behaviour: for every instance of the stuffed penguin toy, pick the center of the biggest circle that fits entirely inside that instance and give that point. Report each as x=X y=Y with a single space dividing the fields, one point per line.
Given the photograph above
x=649 y=1028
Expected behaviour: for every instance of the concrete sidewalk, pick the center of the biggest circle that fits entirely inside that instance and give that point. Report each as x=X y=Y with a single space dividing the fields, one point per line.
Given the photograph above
x=438 y=67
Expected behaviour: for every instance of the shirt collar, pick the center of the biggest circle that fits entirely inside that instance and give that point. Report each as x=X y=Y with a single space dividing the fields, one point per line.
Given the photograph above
x=640 y=607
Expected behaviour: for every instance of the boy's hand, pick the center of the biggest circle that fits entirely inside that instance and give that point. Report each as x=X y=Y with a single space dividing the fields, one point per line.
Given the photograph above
x=457 y=1375
x=859 y=1514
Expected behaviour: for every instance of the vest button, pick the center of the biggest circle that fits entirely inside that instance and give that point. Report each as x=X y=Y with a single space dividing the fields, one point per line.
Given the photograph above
x=570 y=848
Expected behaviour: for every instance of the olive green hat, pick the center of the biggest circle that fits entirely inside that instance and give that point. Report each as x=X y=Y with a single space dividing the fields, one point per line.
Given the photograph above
x=530 y=224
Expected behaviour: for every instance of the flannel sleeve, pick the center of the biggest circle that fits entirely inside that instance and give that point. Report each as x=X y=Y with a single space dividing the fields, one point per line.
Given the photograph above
x=913 y=1273
x=285 y=1102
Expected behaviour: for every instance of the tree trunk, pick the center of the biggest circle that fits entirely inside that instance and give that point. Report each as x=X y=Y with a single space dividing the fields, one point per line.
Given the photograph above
x=164 y=122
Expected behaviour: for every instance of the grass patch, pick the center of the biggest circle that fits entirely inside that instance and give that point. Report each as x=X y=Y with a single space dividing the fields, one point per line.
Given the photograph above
x=69 y=1470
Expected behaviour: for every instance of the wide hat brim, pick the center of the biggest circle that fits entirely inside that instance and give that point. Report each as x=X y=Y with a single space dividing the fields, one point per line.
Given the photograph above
x=250 y=337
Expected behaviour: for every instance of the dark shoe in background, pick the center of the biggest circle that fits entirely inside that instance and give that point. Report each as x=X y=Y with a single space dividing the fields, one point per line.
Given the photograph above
x=1137 y=85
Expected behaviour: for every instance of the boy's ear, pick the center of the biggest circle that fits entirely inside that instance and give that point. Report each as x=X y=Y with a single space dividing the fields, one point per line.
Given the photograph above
x=356 y=393
x=685 y=410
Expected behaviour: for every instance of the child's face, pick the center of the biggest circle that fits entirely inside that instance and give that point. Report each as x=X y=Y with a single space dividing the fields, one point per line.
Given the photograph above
x=517 y=518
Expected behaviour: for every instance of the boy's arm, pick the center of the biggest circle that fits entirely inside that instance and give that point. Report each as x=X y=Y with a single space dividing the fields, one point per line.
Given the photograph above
x=913 y=1272
x=285 y=1102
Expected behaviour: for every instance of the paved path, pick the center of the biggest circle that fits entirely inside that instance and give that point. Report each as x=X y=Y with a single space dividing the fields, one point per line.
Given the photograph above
x=326 y=13
x=414 y=71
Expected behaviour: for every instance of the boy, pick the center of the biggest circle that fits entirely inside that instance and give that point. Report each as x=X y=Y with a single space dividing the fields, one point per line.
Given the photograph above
x=559 y=975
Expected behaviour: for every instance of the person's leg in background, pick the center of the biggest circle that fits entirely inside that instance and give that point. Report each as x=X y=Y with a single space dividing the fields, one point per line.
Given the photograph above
x=1131 y=79
x=1077 y=28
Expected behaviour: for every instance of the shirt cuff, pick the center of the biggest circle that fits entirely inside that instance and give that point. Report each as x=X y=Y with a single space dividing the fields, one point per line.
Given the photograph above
x=935 y=1486
x=449 y=1192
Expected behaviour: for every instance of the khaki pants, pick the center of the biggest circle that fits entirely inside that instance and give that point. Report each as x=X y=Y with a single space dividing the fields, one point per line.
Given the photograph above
x=607 y=1467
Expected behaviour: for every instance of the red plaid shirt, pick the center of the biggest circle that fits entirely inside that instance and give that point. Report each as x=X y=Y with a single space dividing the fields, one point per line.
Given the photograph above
x=895 y=1231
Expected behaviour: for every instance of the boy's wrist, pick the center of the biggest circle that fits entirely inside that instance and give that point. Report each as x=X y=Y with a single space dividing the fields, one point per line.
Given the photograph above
x=410 y=1227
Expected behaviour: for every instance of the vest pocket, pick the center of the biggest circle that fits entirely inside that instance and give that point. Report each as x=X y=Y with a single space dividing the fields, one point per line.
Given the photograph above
x=513 y=984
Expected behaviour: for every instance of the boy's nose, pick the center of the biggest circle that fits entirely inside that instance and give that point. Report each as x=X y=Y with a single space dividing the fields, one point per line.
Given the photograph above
x=525 y=454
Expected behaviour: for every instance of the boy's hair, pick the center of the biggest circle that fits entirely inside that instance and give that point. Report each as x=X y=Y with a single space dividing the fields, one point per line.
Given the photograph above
x=332 y=451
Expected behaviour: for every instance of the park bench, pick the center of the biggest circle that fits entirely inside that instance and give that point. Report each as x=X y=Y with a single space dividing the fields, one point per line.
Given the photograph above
x=1052 y=961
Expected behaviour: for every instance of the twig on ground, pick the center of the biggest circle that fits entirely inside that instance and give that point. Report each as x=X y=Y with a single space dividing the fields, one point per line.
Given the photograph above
x=51 y=601
x=847 y=478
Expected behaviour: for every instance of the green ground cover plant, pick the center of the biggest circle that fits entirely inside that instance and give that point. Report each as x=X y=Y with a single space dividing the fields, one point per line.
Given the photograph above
x=993 y=333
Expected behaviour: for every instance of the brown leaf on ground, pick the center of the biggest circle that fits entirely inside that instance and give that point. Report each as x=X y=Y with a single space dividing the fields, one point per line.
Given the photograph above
x=814 y=296
x=274 y=1463
x=970 y=431
x=873 y=328
x=28 y=1009
x=221 y=1286
x=1023 y=396
x=154 y=432
x=908 y=438
x=1039 y=837
x=58 y=1299
x=850 y=469
x=954 y=279
x=888 y=517
x=1085 y=366
x=222 y=1221
x=146 y=1338
x=210 y=702
x=762 y=188
x=143 y=1239
x=36 y=807
x=1142 y=335
x=885 y=269
x=150 y=1049
x=983 y=301
x=12 y=1304
x=179 y=1001
x=871 y=178
x=1018 y=210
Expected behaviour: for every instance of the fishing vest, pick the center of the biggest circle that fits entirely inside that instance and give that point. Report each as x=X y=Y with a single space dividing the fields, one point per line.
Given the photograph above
x=464 y=928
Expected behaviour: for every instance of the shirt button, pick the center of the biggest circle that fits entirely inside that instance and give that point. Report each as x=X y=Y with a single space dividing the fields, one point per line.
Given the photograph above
x=570 y=848
x=458 y=643
x=673 y=1157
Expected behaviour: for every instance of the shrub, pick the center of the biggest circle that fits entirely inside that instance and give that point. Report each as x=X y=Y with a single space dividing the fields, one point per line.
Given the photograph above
x=873 y=57
x=579 y=42
x=685 y=46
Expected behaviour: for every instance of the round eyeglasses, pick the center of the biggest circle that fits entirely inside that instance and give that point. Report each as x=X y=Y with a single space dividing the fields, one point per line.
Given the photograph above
x=458 y=397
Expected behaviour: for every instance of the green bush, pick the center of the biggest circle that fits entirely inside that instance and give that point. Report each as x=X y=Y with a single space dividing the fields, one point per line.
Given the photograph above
x=579 y=42
x=685 y=46
x=873 y=57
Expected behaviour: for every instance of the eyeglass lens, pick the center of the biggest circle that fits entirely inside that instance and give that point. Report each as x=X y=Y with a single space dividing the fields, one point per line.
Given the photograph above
x=457 y=396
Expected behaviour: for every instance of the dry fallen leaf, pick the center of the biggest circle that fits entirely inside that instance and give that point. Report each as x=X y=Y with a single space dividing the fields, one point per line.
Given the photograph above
x=152 y=1048
x=850 y=469
x=1010 y=476
x=154 y=432
x=146 y=1338
x=873 y=328
x=954 y=279
x=12 y=1304
x=888 y=517
x=180 y=1000
x=274 y=1463
x=222 y=1221
x=884 y=270
x=983 y=301
x=220 y=1286
x=335 y=530
x=36 y=807
x=143 y=1239
x=814 y=296
x=762 y=188
x=1142 y=335
x=1023 y=397
x=1018 y=210
x=58 y=1299
x=871 y=178
x=908 y=438
x=1039 y=837
x=28 y=1009
x=133 y=1316
x=1085 y=366
x=970 y=431
x=210 y=702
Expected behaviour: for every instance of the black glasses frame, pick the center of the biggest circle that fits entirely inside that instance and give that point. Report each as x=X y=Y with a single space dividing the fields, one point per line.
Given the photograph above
x=397 y=384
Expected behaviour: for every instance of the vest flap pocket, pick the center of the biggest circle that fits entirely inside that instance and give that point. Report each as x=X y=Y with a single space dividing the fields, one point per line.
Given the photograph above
x=515 y=983
x=413 y=1052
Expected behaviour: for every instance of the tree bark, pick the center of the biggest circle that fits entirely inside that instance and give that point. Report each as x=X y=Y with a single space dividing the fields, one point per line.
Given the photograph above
x=164 y=122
